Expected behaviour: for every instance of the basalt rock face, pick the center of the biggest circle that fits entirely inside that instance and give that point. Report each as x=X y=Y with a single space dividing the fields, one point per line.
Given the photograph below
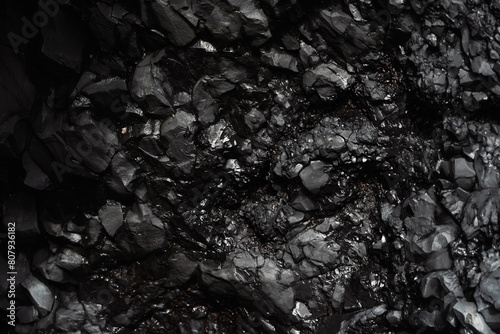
x=257 y=166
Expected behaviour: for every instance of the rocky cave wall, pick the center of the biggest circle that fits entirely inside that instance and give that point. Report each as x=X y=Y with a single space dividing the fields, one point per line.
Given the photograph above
x=251 y=166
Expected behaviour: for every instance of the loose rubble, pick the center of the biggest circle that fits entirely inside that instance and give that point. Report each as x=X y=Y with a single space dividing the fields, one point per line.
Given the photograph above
x=252 y=166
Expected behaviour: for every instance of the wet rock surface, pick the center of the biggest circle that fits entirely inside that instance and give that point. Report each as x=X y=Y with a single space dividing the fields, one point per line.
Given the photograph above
x=260 y=166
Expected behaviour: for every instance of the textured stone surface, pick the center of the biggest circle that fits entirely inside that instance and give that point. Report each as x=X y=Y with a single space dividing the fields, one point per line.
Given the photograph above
x=234 y=166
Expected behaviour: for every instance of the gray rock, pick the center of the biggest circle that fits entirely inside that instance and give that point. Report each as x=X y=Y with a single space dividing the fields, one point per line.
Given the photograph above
x=336 y=20
x=489 y=288
x=314 y=176
x=439 y=260
x=45 y=263
x=303 y=203
x=480 y=211
x=282 y=297
x=424 y=204
x=308 y=55
x=255 y=119
x=281 y=59
x=40 y=294
x=464 y=173
x=111 y=217
x=220 y=135
x=394 y=317
x=337 y=143
x=69 y=259
x=301 y=311
x=255 y=23
x=95 y=145
x=492 y=318
x=180 y=270
x=440 y=283
x=467 y=314
x=70 y=315
x=321 y=252
x=328 y=80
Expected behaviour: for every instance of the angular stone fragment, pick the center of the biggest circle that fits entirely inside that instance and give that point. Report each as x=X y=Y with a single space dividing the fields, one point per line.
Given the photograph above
x=489 y=288
x=255 y=119
x=70 y=316
x=394 y=317
x=111 y=217
x=224 y=24
x=301 y=311
x=69 y=259
x=180 y=270
x=480 y=211
x=220 y=135
x=105 y=93
x=467 y=314
x=255 y=23
x=40 y=294
x=178 y=133
x=303 y=203
x=492 y=318
x=280 y=59
x=179 y=32
x=464 y=173
x=125 y=171
x=314 y=176
x=308 y=55
x=328 y=80
x=95 y=143
x=204 y=103
x=424 y=205
x=281 y=296
x=439 y=260
x=144 y=232
x=150 y=85
x=46 y=264
x=336 y=20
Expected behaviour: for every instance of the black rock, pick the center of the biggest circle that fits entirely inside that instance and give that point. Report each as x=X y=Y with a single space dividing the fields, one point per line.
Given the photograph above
x=64 y=40
x=224 y=23
x=150 y=86
x=328 y=80
x=125 y=171
x=178 y=31
x=178 y=134
x=19 y=213
x=181 y=269
x=144 y=232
